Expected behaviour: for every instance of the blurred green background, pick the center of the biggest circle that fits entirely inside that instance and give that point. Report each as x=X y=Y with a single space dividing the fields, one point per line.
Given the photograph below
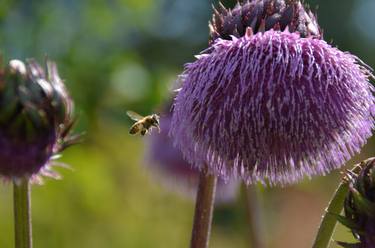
x=125 y=54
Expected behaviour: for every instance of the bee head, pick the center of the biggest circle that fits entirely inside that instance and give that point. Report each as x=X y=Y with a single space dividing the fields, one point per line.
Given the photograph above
x=155 y=118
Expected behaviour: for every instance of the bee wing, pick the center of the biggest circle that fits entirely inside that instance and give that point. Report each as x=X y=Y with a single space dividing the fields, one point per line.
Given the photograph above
x=134 y=116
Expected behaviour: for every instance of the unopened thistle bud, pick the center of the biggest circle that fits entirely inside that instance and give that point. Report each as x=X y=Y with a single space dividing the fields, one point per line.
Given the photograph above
x=359 y=206
x=35 y=118
x=273 y=103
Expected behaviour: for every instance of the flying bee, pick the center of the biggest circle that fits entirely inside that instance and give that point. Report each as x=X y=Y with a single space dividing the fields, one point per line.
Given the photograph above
x=143 y=123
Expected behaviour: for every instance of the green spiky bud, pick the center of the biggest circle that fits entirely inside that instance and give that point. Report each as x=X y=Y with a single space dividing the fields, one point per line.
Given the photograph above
x=359 y=206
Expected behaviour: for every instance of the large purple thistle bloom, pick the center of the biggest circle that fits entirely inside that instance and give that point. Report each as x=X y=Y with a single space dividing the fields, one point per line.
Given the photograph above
x=273 y=106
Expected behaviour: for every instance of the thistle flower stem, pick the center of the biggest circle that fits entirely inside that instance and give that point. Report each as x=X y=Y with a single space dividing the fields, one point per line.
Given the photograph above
x=328 y=224
x=203 y=211
x=253 y=216
x=22 y=216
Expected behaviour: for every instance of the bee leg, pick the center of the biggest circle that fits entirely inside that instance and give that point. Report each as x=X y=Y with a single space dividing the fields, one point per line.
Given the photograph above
x=143 y=132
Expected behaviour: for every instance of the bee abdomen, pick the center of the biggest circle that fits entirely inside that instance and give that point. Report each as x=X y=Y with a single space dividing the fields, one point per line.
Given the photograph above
x=134 y=129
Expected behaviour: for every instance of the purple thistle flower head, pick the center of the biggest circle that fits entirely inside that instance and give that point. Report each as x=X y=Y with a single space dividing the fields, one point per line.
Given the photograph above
x=273 y=106
x=35 y=118
x=167 y=163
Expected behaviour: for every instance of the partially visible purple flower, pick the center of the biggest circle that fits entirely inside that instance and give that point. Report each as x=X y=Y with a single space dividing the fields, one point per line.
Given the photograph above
x=273 y=106
x=359 y=206
x=167 y=163
x=35 y=119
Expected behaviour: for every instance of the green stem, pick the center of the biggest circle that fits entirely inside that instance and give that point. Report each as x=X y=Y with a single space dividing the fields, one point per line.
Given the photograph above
x=22 y=216
x=328 y=224
x=203 y=211
x=255 y=227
